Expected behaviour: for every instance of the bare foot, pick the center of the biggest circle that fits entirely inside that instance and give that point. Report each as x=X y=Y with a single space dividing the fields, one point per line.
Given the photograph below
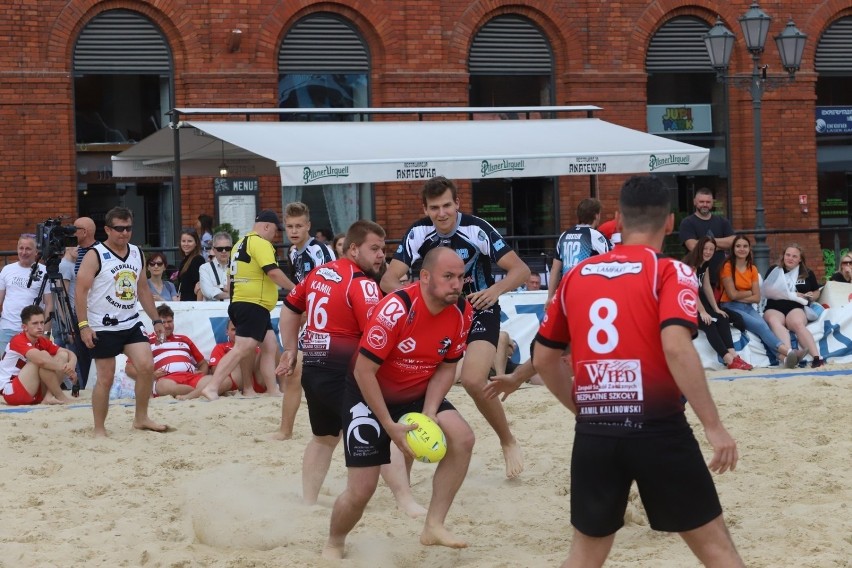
x=50 y=399
x=411 y=508
x=279 y=435
x=276 y=392
x=209 y=393
x=514 y=457
x=332 y=551
x=189 y=396
x=440 y=536
x=148 y=424
x=99 y=433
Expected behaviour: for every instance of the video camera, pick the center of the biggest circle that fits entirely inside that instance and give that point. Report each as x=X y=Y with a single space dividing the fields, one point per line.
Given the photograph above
x=52 y=238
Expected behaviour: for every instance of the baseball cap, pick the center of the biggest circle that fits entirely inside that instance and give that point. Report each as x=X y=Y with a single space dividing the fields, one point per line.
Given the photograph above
x=269 y=216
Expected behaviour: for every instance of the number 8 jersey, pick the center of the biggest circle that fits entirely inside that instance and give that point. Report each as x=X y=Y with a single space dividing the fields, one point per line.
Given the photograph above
x=611 y=309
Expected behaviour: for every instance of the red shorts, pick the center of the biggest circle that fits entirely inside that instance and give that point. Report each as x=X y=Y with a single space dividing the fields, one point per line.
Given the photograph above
x=20 y=396
x=184 y=378
x=258 y=387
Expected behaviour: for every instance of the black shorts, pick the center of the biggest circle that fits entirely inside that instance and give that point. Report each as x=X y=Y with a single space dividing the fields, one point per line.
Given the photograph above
x=250 y=320
x=674 y=483
x=365 y=442
x=324 y=394
x=111 y=343
x=783 y=306
x=485 y=326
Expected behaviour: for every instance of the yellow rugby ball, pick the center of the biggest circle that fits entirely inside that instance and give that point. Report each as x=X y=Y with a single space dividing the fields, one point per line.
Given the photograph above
x=427 y=441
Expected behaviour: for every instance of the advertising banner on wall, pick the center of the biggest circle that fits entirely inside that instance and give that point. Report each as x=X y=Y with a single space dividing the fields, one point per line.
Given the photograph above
x=679 y=119
x=833 y=120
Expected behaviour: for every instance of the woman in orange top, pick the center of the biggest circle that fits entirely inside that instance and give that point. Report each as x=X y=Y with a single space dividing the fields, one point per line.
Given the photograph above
x=741 y=289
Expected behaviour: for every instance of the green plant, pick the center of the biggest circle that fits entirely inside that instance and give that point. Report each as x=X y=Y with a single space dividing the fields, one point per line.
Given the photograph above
x=227 y=228
x=830 y=261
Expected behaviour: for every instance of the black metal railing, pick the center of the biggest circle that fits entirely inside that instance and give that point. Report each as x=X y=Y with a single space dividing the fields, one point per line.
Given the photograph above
x=540 y=259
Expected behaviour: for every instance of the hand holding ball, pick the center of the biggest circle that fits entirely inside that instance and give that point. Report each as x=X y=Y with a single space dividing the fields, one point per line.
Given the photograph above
x=427 y=441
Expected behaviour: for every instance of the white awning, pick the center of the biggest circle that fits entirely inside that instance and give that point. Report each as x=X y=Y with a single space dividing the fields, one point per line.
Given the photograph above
x=317 y=153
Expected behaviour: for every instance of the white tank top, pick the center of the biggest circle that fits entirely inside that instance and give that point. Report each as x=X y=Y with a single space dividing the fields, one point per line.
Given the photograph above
x=112 y=298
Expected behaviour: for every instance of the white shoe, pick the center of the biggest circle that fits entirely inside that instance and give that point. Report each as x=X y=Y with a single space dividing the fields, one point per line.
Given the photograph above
x=791 y=359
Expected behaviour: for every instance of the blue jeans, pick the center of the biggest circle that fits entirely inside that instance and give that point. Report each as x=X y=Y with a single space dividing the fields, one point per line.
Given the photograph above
x=6 y=336
x=755 y=323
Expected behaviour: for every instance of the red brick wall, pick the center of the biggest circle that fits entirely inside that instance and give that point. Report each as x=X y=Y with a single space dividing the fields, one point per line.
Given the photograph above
x=419 y=52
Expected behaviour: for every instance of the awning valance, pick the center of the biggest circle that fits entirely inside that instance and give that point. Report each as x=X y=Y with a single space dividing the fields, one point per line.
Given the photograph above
x=317 y=153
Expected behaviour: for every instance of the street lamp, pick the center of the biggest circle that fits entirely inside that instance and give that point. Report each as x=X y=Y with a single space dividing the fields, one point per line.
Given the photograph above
x=791 y=45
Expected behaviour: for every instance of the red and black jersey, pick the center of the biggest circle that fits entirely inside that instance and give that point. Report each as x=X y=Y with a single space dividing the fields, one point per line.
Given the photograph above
x=338 y=297
x=610 y=309
x=409 y=343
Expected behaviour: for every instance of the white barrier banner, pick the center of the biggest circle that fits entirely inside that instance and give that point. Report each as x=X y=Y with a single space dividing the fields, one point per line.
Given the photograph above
x=205 y=323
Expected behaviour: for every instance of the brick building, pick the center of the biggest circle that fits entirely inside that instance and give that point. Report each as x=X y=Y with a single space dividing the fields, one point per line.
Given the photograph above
x=85 y=79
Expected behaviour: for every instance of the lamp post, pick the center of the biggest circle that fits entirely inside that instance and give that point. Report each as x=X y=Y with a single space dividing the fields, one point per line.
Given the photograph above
x=791 y=45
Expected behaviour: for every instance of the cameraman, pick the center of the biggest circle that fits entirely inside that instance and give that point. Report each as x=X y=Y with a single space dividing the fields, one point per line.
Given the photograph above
x=69 y=280
x=85 y=240
x=17 y=290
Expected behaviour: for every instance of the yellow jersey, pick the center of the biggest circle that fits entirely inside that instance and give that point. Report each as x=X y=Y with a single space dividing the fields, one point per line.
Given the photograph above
x=251 y=258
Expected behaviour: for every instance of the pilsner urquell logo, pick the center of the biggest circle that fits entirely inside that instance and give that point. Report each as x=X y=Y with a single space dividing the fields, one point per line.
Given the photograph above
x=489 y=168
x=309 y=175
x=656 y=163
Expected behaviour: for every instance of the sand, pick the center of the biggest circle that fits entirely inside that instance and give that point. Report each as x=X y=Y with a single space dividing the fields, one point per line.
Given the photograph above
x=218 y=492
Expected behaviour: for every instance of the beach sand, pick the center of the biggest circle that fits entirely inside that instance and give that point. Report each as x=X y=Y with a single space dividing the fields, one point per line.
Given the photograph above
x=218 y=492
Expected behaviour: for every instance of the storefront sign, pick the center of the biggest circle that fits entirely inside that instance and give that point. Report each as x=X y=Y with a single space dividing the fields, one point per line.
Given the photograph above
x=237 y=201
x=833 y=120
x=679 y=119
x=833 y=211
x=587 y=165
x=667 y=161
x=494 y=213
x=310 y=175
x=492 y=167
x=416 y=170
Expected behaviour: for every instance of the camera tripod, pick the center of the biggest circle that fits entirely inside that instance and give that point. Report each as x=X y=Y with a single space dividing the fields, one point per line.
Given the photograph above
x=64 y=328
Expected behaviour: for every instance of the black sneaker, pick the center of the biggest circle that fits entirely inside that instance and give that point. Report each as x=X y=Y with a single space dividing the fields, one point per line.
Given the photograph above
x=817 y=362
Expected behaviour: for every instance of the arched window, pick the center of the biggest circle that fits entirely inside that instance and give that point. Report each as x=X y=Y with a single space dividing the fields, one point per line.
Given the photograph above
x=686 y=103
x=324 y=63
x=833 y=123
x=122 y=90
x=511 y=64
x=122 y=72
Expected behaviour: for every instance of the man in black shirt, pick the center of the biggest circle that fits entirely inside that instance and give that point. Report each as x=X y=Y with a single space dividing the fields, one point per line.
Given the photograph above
x=703 y=223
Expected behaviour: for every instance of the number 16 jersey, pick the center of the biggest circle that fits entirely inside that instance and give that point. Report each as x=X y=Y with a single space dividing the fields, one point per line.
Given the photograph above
x=338 y=297
x=611 y=310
